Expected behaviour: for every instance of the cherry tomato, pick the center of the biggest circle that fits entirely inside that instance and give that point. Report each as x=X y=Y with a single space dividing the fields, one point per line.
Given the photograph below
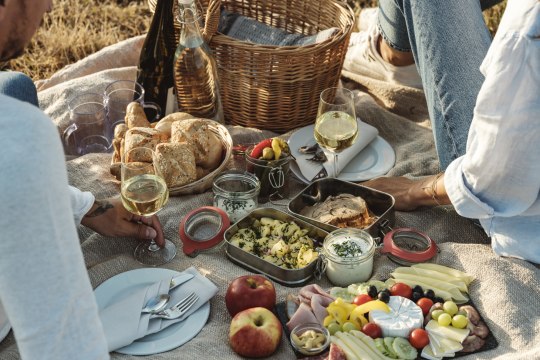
x=425 y=304
x=372 y=330
x=258 y=149
x=401 y=289
x=419 y=338
x=361 y=299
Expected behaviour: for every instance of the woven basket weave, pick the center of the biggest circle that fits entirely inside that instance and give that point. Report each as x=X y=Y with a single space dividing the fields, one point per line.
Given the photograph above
x=271 y=87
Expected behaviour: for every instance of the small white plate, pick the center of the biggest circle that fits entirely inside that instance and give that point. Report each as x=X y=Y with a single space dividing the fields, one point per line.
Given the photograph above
x=168 y=338
x=376 y=159
x=4 y=324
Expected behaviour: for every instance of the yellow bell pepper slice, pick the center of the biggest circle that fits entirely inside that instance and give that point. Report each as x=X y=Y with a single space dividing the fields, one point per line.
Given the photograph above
x=328 y=320
x=339 y=313
x=348 y=306
x=369 y=306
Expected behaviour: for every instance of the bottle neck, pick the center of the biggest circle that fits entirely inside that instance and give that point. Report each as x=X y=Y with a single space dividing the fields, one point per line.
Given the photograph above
x=188 y=16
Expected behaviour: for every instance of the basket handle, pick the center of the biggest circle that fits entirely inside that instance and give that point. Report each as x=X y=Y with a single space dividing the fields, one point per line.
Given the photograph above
x=212 y=20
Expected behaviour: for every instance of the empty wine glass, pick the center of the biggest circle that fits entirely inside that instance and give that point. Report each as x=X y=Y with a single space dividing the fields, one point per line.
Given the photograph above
x=144 y=192
x=336 y=127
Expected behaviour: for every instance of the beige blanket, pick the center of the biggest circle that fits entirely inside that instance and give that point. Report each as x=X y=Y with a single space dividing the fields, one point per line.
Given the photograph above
x=506 y=291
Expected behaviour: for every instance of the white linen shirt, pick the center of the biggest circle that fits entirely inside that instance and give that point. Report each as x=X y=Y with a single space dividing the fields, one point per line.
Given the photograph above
x=498 y=179
x=44 y=286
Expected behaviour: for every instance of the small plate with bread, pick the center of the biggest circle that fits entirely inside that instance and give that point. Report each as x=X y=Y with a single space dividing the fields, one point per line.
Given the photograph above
x=190 y=151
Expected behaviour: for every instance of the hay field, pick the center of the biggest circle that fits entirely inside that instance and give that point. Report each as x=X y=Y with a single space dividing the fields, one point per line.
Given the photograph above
x=77 y=28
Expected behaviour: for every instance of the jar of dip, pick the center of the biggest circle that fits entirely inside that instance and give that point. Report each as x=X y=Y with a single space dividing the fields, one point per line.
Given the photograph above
x=236 y=193
x=349 y=256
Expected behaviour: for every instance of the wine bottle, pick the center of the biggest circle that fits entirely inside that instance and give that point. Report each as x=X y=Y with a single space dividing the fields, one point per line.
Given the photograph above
x=195 y=69
x=155 y=70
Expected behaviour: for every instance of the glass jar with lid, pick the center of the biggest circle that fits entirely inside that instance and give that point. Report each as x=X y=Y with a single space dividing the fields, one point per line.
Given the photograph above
x=236 y=193
x=349 y=256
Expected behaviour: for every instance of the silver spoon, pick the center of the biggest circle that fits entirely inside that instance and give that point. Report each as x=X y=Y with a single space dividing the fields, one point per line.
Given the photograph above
x=156 y=304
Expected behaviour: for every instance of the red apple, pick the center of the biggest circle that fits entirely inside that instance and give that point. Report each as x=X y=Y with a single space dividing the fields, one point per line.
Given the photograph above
x=250 y=291
x=255 y=333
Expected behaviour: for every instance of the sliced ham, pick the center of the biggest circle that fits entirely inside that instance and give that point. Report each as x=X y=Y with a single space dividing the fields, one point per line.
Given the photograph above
x=313 y=302
x=301 y=316
x=319 y=303
x=307 y=292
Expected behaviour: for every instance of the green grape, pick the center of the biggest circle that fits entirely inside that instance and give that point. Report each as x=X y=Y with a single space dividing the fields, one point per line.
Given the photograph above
x=436 y=313
x=444 y=319
x=348 y=326
x=450 y=307
x=333 y=328
x=459 y=321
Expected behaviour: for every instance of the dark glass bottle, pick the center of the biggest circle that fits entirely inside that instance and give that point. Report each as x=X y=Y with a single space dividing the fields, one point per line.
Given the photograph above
x=195 y=69
x=155 y=70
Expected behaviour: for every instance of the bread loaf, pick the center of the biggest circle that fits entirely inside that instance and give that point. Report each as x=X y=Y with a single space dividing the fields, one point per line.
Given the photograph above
x=214 y=152
x=195 y=133
x=343 y=210
x=135 y=116
x=176 y=163
x=164 y=125
x=143 y=137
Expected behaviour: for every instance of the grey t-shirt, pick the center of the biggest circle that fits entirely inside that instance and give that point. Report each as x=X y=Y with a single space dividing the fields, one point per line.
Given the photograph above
x=44 y=287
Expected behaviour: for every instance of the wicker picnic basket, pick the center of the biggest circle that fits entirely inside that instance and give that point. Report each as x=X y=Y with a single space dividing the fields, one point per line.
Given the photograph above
x=272 y=87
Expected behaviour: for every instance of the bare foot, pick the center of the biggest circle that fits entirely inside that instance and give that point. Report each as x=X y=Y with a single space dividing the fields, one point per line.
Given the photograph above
x=393 y=56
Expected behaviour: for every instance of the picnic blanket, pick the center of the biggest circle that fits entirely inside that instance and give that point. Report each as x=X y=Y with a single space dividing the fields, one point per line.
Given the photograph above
x=506 y=291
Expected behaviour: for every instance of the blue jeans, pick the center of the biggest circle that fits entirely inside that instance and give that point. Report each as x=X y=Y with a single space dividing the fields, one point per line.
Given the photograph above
x=19 y=86
x=449 y=40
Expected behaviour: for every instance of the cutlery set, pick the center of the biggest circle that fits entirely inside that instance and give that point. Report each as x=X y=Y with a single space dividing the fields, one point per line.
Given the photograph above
x=318 y=154
x=179 y=309
x=156 y=306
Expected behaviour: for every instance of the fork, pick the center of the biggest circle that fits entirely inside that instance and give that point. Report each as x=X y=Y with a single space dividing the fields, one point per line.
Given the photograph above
x=179 y=309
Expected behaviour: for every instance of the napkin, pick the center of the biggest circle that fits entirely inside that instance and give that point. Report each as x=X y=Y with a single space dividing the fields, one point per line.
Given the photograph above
x=366 y=134
x=123 y=322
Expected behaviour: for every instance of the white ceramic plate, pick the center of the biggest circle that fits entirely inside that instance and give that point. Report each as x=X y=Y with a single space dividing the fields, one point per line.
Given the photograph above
x=374 y=160
x=4 y=324
x=165 y=340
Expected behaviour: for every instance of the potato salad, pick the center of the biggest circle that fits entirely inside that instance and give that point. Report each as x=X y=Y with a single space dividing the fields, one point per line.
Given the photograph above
x=281 y=243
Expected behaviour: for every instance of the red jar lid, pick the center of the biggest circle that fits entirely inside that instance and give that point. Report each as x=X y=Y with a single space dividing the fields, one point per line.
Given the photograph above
x=202 y=229
x=406 y=246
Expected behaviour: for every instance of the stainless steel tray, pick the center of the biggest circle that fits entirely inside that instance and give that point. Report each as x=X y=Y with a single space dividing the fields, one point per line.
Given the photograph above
x=379 y=203
x=288 y=277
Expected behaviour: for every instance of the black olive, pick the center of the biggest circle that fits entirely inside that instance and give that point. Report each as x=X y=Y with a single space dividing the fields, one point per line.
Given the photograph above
x=417 y=296
x=372 y=292
x=418 y=289
x=430 y=294
x=438 y=299
x=384 y=296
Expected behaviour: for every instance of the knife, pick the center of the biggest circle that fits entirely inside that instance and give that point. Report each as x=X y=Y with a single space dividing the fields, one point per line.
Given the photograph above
x=179 y=280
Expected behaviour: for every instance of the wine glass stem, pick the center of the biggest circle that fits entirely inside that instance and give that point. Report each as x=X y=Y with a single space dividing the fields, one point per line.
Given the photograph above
x=335 y=165
x=153 y=246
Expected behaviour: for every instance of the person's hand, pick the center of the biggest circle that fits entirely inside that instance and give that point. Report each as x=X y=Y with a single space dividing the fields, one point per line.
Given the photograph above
x=109 y=218
x=404 y=190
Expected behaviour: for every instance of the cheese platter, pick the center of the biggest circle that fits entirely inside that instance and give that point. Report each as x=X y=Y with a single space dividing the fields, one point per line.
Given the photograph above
x=420 y=312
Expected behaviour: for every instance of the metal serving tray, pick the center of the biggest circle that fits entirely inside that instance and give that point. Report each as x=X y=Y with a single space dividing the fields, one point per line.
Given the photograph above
x=379 y=203
x=288 y=277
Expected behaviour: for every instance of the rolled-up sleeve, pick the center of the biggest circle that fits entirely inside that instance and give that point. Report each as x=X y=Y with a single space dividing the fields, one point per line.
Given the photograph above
x=500 y=173
x=81 y=202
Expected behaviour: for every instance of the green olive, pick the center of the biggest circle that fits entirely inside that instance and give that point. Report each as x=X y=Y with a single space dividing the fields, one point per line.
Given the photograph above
x=268 y=154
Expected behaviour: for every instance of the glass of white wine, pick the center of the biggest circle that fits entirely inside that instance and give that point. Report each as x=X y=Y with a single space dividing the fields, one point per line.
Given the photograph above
x=144 y=192
x=336 y=127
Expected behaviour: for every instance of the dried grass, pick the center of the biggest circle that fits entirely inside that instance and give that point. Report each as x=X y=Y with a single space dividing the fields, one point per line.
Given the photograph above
x=77 y=28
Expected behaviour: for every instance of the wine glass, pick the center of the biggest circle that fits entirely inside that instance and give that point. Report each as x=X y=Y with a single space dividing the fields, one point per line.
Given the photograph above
x=336 y=127
x=144 y=192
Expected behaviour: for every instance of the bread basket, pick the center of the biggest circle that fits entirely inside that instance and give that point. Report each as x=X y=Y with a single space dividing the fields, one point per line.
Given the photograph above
x=205 y=183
